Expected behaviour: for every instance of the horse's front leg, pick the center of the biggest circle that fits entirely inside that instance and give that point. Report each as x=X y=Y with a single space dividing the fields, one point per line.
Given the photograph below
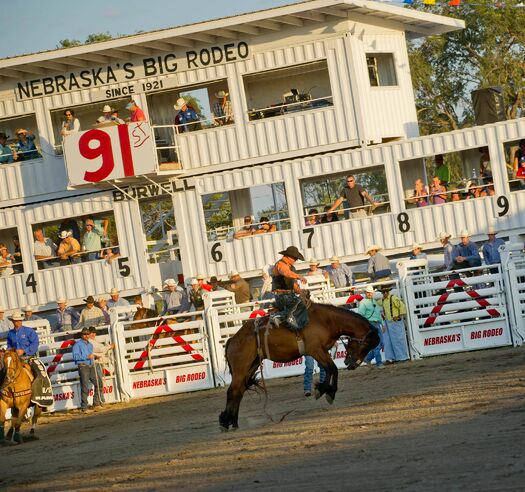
x=16 y=422
x=3 y=410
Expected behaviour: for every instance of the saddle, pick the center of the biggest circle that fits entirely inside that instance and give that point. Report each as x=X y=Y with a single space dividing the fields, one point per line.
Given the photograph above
x=265 y=325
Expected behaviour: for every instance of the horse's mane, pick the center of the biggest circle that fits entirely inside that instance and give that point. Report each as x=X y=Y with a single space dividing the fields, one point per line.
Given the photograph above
x=341 y=310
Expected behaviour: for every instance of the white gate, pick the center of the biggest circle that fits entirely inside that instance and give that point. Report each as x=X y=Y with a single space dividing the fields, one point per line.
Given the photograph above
x=455 y=312
x=513 y=261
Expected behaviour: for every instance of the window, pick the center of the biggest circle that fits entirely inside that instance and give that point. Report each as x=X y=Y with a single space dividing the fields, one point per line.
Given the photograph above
x=19 y=140
x=76 y=240
x=288 y=90
x=515 y=164
x=321 y=193
x=449 y=177
x=87 y=116
x=10 y=255
x=247 y=212
x=381 y=69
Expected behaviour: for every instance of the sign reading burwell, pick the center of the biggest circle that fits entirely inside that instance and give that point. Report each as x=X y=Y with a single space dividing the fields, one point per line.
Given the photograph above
x=112 y=152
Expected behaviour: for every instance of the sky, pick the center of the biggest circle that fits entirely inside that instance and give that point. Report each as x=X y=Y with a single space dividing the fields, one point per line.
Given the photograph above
x=41 y=24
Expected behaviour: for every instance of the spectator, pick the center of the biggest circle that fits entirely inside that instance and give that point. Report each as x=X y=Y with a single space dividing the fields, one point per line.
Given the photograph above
x=5 y=324
x=84 y=359
x=203 y=285
x=312 y=217
x=247 y=230
x=92 y=241
x=117 y=301
x=115 y=117
x=456 y=196
x=174 y=299
x=378 y=265
x=438 y=192
x=17 y=256
x=329 y=216
x=44 y=249
x=421 y=194
x=473 y=191
x=71 y=124
x=417 y=252
x=370 y=309
x=90 y=315
x=215 y=284
x=341 y=275
x=25 y=147
x=70 y=225
x=315 y=270
x=6 y=261
x=355 y=196
x=68 y=249
x=266 y=289
x=484 y=165
x=265 y=226
x=102 y=304
x=490 y=248
x=113 y=252
x=394 y=335
x=442 y=170
x=106 y=114
x=195 y=295
x=239 y=287
x=7 y=155
x=519 y=156
x=520 y=172
x=100 y=351
x=21 y=338
x=448 y=249
x=222 y=109
x=67 y=316
x=465 y=254
x=28 y=314
x=136 y=113
x=187 y=119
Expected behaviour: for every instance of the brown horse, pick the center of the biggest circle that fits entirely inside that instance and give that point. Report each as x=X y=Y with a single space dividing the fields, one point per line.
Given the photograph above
x=16 y=395
x=326 y=325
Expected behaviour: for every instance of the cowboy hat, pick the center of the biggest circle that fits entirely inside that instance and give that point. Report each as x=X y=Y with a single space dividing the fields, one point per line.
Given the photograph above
x=464 y=233
x=335 y=259
x=180 y=102
x=491 y=230
x=89 y=300
x=234 y=274
x=221 y=94
x=194 y=281
x=373 y=247
x=314 y=262
x=20 y=130
x=201 y=277
x=416 y=246
x=17 y=316
x=92 y=329
x=386 y=288
x=85 y=331
x=27 y=309
x=61 y=300
x=444 y=235
x=292 y=252
x=114 y=291
x=369 y=289
x=65 y=234
x=170 y=281
x=107 y=109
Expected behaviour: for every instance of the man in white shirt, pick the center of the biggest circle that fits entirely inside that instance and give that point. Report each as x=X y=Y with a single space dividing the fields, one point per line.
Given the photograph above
x=44 y=249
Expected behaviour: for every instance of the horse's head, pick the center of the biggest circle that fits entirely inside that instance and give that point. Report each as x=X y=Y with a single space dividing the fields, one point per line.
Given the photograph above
x=11 y=363
x=358 y=347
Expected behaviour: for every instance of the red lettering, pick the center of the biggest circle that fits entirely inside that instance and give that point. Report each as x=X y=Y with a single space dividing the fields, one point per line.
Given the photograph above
x=125 y=150
x=103 y=150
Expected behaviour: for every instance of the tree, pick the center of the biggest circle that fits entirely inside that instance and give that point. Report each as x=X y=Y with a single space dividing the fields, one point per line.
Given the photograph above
x=92 y=38
x=490 y=51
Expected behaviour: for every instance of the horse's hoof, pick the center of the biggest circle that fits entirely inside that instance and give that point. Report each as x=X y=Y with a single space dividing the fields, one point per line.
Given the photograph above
x=317 y=394
x=329 y=398
x=223 y=428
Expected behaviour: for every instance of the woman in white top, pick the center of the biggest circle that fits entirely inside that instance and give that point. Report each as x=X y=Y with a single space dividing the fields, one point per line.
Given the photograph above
x=71 y=125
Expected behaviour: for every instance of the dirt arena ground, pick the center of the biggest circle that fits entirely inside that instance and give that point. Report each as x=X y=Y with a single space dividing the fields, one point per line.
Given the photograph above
x=446 y=423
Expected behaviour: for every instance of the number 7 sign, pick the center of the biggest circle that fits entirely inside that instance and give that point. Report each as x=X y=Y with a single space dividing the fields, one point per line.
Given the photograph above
x=112 y=152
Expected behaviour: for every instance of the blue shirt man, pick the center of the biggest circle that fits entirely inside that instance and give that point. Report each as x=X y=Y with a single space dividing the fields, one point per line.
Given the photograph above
x=465 y=253
x=21 y=338
x=25 y=147
x=6 y=154
x=187 y=119
x=341 y=275
x=490 y=248
x=83 y=350
x=67 y=317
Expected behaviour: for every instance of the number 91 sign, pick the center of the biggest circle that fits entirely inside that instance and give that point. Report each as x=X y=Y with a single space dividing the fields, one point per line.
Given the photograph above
x=111 y=152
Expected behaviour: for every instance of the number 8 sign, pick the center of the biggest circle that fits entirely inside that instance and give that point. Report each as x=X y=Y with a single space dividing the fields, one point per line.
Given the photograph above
x=111 y=152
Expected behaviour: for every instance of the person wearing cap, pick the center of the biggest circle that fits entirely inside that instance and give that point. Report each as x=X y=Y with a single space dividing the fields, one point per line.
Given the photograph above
x=68 y=249
x=222 y=109
x=371 y=310
x=5 y=324
x=355 y=196
x=7 y=154
x=266 y=287
x=115 y=117
x=313 y=269
x=28 y=314
x=45 y=250
x=21 y=338
x=102 y=304
x=248 y=229
x=84 y=359
x=91 y=315
x=25 y=146
x=339 y=273
x=290 y=307
x=394 y=335
x=100 y=351
x=195 y=294
x=203 y=285
x=136 y=113
x=465 y=254
x=187 y=119
x=215 y=284
x=490 y=248
x=265 y=226
x=378 y=264
x=116 y=301
x=6 y=261
x=70 y=224
x=448 y=249
x=71 y=124
x=92 y=240
x=174 y=298
x=239 y=287
x=417 y=252
x=67 y=316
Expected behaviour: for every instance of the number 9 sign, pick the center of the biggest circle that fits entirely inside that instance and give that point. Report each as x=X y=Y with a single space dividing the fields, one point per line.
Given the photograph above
x=107 y=153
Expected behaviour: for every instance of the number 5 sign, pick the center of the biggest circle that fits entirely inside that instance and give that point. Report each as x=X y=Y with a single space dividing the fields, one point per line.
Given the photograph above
x=111 y=152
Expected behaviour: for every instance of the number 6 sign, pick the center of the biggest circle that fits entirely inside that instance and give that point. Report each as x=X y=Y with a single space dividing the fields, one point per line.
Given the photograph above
x=111 y=152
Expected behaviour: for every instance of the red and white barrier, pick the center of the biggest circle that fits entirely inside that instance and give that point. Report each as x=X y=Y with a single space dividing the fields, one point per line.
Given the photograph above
x=513 y=261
